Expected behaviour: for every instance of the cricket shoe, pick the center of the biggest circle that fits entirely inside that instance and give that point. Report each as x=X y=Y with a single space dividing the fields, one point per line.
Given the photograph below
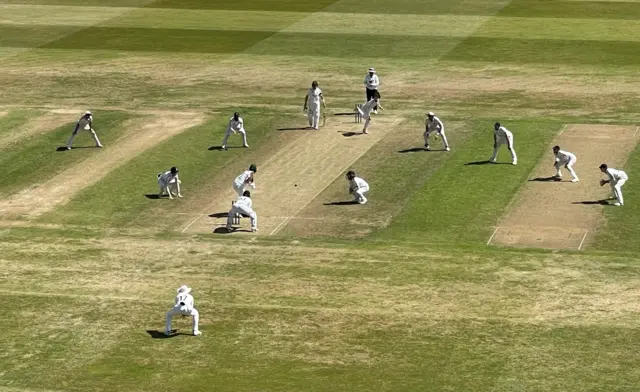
x=363 y=201
x=254 y=229
x=618 y=204
x=167 y=333
x=197 y=333
x=557 y=176
x=514 y=163
x=492 y=160
x=223 y=147
x=365 y=131
x=426 y=147
x=447 y=149
x=246 y=146
x=575 y=180
x=98 y=145
x=68 y=147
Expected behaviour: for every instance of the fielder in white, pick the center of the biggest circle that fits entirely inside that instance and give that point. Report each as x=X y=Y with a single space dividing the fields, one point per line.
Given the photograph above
x=236 y=124
x=183 y=306
x=85 y=123
x=169 y=183
x=566 y=159
x=365 y=111
x=313 y=98
x=357 y=187
x=502 y=135
x=617 y=178
x=244 y=206
x=433 y=124
x=244 y=179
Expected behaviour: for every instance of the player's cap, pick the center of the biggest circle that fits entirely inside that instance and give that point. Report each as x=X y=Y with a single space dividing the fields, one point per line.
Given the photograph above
x=372 y=70
x=184 y=289
x=253 y=168
x=174 y=170
x=246 y=194
x=236 y=114
x=604 y=166
x=87 y=113
x=430 y=114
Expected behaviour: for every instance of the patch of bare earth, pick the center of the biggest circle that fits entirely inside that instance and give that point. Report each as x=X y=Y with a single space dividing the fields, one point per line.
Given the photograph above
x=565 y=215
x=141 y=136
x=296 y=173
x=35 y=126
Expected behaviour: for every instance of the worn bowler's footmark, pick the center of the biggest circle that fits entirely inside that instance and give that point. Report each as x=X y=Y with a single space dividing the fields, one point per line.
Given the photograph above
x=564 y=215
x=141 y=135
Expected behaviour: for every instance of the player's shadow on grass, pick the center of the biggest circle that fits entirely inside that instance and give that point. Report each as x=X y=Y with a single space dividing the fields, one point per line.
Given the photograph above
x=349 y=134
x=294 y=129
x=219 y=215
x=341 y=203
x=486 y=163
x=219 y=148
x=155 y=334
x=64 y=148
x=546 y=179
x=153 y=196
x=592 y=202
x=414 y=149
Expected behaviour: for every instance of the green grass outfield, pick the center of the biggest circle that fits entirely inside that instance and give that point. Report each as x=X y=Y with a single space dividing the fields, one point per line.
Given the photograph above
x=402 y=294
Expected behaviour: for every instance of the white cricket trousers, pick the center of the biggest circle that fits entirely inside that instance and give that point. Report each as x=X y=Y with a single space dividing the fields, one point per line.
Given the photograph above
x=238 y=188
x=230 y=131
x=568 y=166
x=616 y=188
x=178 y=310
x=440 y=133
x=359 y=194
x=239 y=209
x=509 y=142
x=173 y=187
x=91 y=131
x=314 y=116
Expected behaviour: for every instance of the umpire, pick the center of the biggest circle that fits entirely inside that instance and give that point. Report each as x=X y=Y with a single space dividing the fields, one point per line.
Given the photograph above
x=371 y=82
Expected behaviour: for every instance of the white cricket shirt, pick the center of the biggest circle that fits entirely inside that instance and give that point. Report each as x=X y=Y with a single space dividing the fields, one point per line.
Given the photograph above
x=372 y=82
x=565 y=156
x=435 y=125
x=244 y=201
x=358 y=183
x=236 y=125
x=615 y=174
x=314 y=96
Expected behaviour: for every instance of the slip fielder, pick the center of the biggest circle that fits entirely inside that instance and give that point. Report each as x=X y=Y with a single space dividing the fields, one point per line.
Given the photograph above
x=566 y=159
x=616 y=180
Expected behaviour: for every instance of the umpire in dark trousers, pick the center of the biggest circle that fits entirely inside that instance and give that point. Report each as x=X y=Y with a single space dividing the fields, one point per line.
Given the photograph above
x=371 y=82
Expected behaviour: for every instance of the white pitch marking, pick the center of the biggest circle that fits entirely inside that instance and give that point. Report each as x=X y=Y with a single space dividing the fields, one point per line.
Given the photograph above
x=192 y=222
x=277 y=227
x=583 y=238
x=637 y=129
x=492 y=235
x=562 y=130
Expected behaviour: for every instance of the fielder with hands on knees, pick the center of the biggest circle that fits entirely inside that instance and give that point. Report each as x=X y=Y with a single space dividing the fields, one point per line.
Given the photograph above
x=85 y=123
x=183 y=305
x=243 y=206
x=169 y=183
x=433 y=124
x=357 y=187
x=314 y=97
x=236 y=124
x=616 y=180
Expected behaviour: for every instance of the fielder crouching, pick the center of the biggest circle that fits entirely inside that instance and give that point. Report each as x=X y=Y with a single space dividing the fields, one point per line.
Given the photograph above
x=357 y=187
x=243 y=206
x=169 y=183
x=184 y=305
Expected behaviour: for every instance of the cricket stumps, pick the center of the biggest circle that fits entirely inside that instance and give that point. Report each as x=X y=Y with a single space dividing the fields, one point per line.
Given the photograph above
x=236 y=217
x=357 y=112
